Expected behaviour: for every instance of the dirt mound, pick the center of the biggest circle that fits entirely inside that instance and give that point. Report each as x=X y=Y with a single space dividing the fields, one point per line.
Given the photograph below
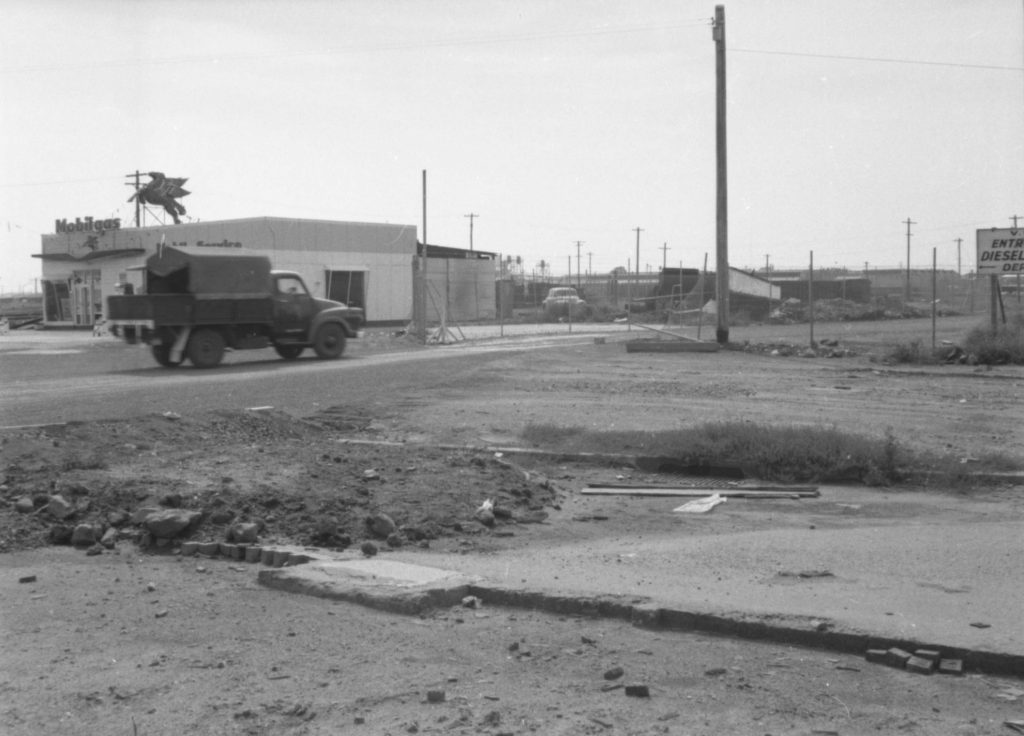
x=317 y=481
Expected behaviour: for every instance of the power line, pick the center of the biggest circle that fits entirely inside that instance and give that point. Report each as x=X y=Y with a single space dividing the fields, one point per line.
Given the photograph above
x=880 y=59
x=335 y=51
x=59 y=181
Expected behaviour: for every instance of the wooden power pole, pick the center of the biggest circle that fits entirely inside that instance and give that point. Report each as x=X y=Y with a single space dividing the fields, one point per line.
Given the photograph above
x=722 y=192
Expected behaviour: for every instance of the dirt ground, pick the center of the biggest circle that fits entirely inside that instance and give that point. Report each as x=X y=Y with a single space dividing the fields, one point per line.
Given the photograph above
x=133 y=638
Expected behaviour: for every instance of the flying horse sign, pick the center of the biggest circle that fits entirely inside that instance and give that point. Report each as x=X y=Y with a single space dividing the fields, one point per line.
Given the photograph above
x=163 y=191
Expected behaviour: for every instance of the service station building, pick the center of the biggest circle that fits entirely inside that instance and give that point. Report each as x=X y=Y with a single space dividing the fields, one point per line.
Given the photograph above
x=362 y=264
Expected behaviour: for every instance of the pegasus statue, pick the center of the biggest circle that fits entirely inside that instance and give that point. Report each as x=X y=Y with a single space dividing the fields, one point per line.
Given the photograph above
x=163 y=191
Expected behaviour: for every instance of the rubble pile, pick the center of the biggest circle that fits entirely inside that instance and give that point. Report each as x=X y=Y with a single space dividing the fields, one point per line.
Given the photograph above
x=794 y=311
x=827 y=348
x=244 y=480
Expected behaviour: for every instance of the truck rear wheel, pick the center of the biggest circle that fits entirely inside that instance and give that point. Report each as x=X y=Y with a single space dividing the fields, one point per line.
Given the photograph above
x=329 y=341
x=162 y=355
x=206 y=348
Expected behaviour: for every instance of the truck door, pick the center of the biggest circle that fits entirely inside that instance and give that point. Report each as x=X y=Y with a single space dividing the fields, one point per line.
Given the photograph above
x=293 y=306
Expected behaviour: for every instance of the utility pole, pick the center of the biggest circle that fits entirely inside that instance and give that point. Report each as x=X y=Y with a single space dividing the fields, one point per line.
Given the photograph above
x=664 y=255
x=906 y=295
x=766 y=262
x=590 y=263
x=578 y=244
x=1015 y=218
x=638 y=230
x=958 y=242
x=471 y=216
x=722 y=189
x=138 y=200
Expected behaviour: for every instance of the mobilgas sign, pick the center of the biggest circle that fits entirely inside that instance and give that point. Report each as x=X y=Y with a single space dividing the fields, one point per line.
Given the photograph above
x=1001 y=251
x=88 y=225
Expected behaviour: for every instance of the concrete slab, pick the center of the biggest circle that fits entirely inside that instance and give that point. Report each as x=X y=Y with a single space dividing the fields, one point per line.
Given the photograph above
x=391 y=585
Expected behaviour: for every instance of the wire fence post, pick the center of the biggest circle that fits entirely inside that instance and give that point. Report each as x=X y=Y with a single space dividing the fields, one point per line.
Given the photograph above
x=810 y=297
x=934 y=299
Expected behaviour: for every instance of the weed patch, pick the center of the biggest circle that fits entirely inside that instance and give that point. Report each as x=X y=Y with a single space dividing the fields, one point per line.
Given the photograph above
x=783 y=454
x=1004 y=346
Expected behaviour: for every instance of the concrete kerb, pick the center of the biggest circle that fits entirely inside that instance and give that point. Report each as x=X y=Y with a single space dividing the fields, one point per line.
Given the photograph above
x=397 y=587
x=409 y=589
x=814 y=634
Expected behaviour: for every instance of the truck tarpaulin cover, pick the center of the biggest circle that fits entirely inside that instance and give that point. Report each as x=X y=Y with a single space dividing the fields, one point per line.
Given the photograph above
x=173 y=271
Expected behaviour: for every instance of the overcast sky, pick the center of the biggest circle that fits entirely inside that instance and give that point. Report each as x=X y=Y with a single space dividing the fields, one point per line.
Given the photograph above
x=555 y=122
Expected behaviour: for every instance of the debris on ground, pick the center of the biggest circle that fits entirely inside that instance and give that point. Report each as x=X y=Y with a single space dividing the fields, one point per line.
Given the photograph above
x=700 y=505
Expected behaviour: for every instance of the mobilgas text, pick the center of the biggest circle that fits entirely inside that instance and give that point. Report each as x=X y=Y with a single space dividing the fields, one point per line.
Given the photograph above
x=88 y=224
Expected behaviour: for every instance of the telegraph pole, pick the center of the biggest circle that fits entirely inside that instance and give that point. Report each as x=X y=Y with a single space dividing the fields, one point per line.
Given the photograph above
x=958 y=242
x=471 y=216
x=638 y=230
x=906 y=295
x=138 y=200
x=722 y=189
x=578 y=244
x=664 y=255
x=1015 y=218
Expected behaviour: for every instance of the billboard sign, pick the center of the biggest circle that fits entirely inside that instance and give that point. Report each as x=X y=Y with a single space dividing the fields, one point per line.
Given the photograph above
x=1000 y=251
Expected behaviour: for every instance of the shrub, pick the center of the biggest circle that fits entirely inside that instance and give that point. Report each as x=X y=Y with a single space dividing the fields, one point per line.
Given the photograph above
x=1005 y=345
x=912 y=352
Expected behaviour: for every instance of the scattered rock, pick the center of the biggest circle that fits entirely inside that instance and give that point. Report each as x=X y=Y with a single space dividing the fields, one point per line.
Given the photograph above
x=222 y=516
x=435 y=696
x=140 y=515
x=471 y=601
x=27 y=579
x=109 y=538
x=637 y=691
x=369 y=549
x=59 y=508
x=614 y=673
x=60 y=533
x=83 y=535
x=168 y=523
x=951 y=666
x=485 y=517
x=381 y=525
x=502 y=512
x=24 y=505
x=244 y=533
x=118 y=518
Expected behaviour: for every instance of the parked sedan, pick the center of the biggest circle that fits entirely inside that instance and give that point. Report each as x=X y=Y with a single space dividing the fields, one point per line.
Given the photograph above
x=563 y=301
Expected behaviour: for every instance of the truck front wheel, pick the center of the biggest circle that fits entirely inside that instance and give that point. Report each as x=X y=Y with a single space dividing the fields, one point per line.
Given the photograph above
x=329 y=341
x=206 y=348
x=162 y=355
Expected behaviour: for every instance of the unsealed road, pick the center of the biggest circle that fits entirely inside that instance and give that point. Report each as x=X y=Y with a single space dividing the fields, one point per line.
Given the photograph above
x=62 y=377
